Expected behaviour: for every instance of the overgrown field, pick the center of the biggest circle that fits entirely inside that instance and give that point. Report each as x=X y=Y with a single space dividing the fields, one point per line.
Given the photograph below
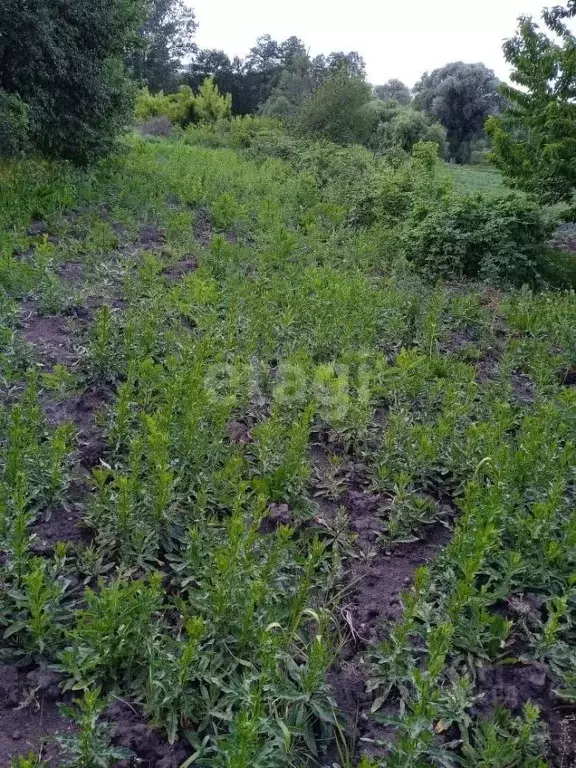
x=268 y=497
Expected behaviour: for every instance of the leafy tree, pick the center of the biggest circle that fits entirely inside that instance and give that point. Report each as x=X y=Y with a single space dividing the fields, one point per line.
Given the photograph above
x=294 y=87
x=167 y=36
x=406 y=128
x=334 y=111
x=65 y=62
x=394 y=90
x=231 y=76
x=534 y=142
x=351 y=63
x=460 y=96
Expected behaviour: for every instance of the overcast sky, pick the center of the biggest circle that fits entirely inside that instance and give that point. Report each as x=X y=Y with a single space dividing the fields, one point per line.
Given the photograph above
x=396 y=39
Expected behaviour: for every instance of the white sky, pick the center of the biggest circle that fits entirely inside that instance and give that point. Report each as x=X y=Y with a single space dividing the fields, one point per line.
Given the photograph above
x=396 y=39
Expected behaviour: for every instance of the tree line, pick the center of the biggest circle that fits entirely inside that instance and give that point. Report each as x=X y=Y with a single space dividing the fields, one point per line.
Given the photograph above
x=69 y=73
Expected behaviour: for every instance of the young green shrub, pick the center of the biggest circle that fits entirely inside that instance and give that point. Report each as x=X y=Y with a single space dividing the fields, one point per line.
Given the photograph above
x=91 y=746
x=210 y=105
x=111 y=630
x=13 y=124
x=500 y=240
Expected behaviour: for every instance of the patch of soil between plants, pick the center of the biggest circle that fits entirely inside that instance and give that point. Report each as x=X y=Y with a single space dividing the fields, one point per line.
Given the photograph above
x=132 y=731
x=52 y=336
x=81 y=410
x=378 y=579
x=29 y=715
x=151 y=237
x=511 y=686
x=176 y=271
x=203 y=226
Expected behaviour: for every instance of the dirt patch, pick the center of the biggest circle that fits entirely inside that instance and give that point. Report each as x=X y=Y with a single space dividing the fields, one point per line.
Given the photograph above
x=37 y=228
x=61 y=525
x=30 y=719
x=52 y=336
x=376 y=580
x=132 y=731
x=278 y=514
x=203 y=226
x=151 y=237
x=71 y=272
x=514 y=685
x=569 y=378
x=176 y=271
x=81 y=410
x=239 y=433
x=523 y=388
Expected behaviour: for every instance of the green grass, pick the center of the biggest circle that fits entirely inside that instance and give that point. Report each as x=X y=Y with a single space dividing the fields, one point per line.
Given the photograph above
x=473 y=178
x=241 y=400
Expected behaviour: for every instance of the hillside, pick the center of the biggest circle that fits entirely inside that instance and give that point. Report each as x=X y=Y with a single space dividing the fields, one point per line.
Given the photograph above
x=271 y=495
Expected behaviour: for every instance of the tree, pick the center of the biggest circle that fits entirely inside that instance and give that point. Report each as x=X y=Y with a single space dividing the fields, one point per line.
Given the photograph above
x=406 y=128
x=460 y=96
x=351 y=63
x=65 y=62
x=294 y=87
x=534 y=141
x=394 y=90
x=334 y=111
x=167 y=36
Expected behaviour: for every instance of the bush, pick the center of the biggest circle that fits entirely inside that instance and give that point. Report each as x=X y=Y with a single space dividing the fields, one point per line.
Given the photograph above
x=405 y=128
x=335 y=110
x=208 y=106
x=14 y=124
x=65 y=61
x=500 y=240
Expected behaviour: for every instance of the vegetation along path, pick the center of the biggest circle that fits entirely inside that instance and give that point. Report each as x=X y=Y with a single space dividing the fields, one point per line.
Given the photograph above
x=268 y=497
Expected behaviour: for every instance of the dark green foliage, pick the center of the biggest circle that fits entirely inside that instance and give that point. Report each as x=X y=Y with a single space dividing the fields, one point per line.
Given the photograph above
x=460 y=96
x=64 y=60
x=294 y=87
x=404 y=128
x=535 y=139
x=499 y=239
x=14 y=124
x=274 y=77
x=394 y=90
x=166 y=37
x=334 y=111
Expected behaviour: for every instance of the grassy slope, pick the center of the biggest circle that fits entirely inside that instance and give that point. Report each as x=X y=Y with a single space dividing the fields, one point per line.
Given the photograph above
x=265 y=412
x=473 y=178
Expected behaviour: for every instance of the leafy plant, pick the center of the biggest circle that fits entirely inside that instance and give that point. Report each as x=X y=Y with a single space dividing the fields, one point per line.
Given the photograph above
x=91 y=747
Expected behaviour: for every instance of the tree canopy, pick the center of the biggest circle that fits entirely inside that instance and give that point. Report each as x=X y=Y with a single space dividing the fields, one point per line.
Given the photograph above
x=534 y=141
x=166 y=37
x=64 y=61
x=394 y=90
x=334 y=111
x=461 y=97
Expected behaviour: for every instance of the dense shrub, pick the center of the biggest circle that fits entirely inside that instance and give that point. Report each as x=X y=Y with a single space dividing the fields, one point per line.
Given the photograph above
x=177 y=107
x=14 y=124
x=65 y=61
x=184 y=107
x=239 y=133
x=406 y=127
x=498 y=239
x=334 y=111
